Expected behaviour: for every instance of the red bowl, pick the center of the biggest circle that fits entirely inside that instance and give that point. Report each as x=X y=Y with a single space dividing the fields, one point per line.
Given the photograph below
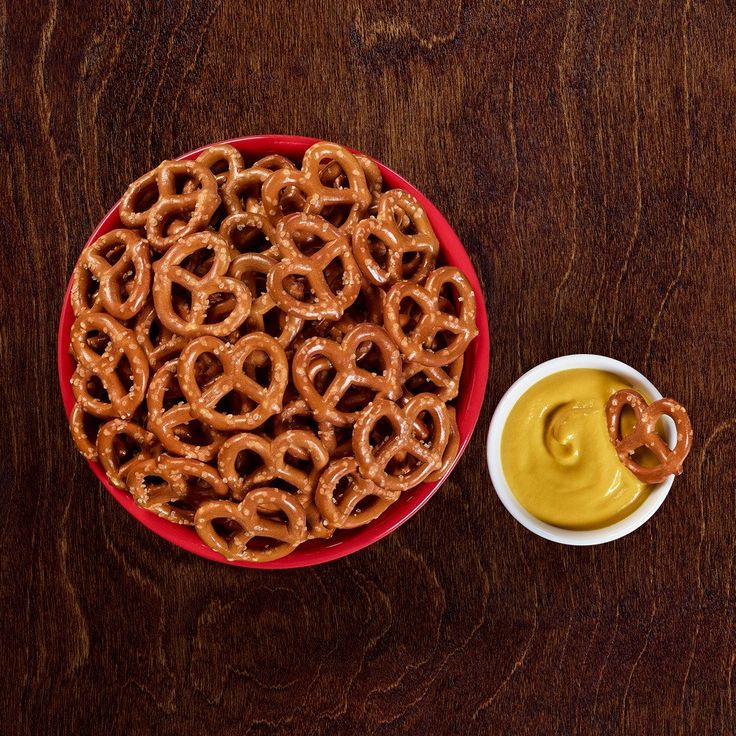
x=470 y=400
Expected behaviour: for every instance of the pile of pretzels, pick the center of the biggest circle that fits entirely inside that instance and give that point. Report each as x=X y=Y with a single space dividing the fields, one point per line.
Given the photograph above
x=268 y=352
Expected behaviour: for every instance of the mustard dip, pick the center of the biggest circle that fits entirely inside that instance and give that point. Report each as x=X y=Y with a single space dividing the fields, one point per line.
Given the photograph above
x=558 y=459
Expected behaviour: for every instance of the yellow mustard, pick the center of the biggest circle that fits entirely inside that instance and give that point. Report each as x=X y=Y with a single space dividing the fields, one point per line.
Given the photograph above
x=558 y=459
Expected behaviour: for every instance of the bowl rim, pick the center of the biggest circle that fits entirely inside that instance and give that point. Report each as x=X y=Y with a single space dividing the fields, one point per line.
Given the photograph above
x=553 y=533
x=473 y=381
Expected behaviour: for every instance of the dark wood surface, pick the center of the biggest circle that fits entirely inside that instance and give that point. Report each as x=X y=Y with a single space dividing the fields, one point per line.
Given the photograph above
x=584 y=152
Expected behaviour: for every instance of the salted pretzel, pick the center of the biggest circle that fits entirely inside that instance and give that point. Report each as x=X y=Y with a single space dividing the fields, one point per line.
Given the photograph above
x=451 y=450
x=343 y=358
x=317 y=196
x=375 y=462
x=325 y=303
x=106 y=368
x=296 y=414
x=114 y=453
x=275 y=465
x=171 y=270
x=443 y=381
x=158 y=342
x=417 y=345
x=253 y=517
x=154 y=201
x=247 y=268
x=274 y=162
x=80 y=434
x=258 y=402
x=118 y=292
x=174 y=425
x=184 y=485
x=340 y=513
x=223 y=160
x=249 y=232
x=645 y=434
x=383 y=234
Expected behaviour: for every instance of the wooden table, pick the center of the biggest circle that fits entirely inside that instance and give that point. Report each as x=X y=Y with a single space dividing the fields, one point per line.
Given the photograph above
x=584 y=152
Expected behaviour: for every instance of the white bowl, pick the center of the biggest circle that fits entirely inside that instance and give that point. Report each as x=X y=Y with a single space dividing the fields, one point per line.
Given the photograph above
x=554 y=533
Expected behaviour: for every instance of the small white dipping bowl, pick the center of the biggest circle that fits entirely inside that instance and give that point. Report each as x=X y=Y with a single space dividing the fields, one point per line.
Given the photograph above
x=555 y=533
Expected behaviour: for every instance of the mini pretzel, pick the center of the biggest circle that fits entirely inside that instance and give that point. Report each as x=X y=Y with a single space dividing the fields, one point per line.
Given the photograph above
x=214 y=157
x=645 y=434
x=121 y=402
x=253 y=517
x=186 y=484
x=203 y=400
x=442 y=381
x=273 y=454
x=344 y=359
x=245 y=230
x=172 y=425
x=158 y=342
x=326 y=304
x=170 y=271
x=417 y=346
x=316 y=195
x=245 y=268
x=296 y=414
x=374 y=462
x=450 y=453
x=80 y=435
x=341 y=514
x=114 y=279
x=191 y=210
x=394 y=243
x=112 y=451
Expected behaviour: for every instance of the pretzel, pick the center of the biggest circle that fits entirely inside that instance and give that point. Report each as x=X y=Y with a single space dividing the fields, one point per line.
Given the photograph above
x=121 y=402
x=368 y=307
x=340 y=513
x=80 y=435
x=442 y=381
x=242 y=191
x=190 y=211
x=248 y=232
x=296 y=414
x=185 y=485
x=394 y=244
x=374 y=463
x=274 y=162
x=266 y=401
x=326 y=304
x=172 y=426
x=214 y=157
x=170 y=271
x=317 y=196
x=275 y=464
x=246 y=268
x=645 y=434
x=451 y=450
x=158 y=342
x=417 y=346
x=112 y=451
x=343 y=358
x=113 y=278
x=252 y=518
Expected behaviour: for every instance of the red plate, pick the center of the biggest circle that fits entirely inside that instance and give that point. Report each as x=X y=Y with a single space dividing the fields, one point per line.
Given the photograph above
x=470 y=400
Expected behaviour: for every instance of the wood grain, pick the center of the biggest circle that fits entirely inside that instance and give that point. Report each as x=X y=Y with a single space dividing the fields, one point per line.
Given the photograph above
x=584 y=152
